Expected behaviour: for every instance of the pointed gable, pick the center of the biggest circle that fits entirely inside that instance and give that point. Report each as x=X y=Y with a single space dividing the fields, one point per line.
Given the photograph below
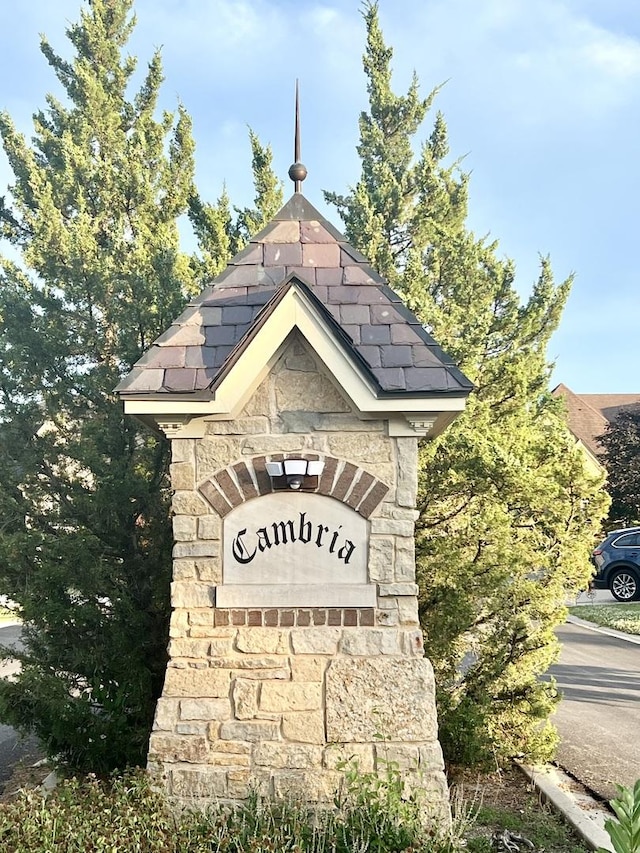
x=381 y=340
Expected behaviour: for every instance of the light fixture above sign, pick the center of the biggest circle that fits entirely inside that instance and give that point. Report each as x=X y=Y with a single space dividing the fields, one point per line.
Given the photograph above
x=295 y=473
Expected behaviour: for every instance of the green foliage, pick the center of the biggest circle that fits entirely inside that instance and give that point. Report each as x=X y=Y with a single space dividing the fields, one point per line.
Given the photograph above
x=507 y=509
x=219 y=235
x=621 y=457
x=620 y=617
x=625 y=832
x=126 y=814
x=95 y=275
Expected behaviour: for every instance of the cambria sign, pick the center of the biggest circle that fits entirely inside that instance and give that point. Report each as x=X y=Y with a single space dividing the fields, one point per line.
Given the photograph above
x=296 y=548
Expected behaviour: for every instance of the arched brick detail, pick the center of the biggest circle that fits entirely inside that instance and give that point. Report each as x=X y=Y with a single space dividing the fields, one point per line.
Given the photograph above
x=231 y=486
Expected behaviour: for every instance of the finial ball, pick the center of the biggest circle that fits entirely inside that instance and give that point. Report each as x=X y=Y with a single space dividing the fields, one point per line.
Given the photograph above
x=298 y=172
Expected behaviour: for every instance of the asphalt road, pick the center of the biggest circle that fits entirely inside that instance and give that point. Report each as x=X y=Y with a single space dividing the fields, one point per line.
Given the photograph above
x=13 y=748
x=599 y=716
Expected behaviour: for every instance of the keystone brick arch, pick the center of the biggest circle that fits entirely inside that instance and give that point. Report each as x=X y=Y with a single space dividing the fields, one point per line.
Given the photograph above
x=231 y=486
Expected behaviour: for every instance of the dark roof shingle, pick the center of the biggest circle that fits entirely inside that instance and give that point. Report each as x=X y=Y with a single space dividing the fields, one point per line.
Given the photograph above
x=382 y=335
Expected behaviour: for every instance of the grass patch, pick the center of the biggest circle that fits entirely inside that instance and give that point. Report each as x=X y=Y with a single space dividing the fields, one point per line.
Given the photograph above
x=621 y=617
x=506 y=800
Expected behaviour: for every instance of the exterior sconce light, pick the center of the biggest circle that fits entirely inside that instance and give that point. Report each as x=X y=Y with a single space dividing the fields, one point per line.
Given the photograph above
x=295 y=474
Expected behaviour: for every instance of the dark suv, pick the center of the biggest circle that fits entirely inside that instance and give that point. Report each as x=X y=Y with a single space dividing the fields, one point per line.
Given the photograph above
x=617 y=562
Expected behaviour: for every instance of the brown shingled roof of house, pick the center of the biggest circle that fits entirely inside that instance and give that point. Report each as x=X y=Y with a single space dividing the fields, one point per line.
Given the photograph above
x=589 y=414
x=298 y=245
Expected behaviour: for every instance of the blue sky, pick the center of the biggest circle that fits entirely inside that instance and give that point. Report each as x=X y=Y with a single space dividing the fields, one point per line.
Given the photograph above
x=542 y=99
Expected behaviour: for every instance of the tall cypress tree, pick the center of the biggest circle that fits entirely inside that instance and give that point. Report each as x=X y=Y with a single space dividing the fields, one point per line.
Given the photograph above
x=221 y=232
x=92 y=276
x=507 y=509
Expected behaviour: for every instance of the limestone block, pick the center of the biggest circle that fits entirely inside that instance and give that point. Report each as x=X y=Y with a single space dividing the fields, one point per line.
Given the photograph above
x=184 y=528
x=245 y=698
x=381 y=559
x=169 y=747
x=272 y=444
x=188 y=503
x=209 y=527
x=244 y=662
x=283 y=696
x=182 y=450
x=215 y=452
x=370 y=641
x=205 y=683
x=315 y=641
x=293 y=756
x=222 y=759
x=279 y=674
x=209 y=570
x=303 y=726
x=389 y=618
x=166 y=715
x=310 y=786
x=405 y=563
x=180 y=619
x=186 y=594
x=238 y=784
x=184 y=570
x=258 y=640
x=231 y=747
x=361 y=447
x=301 y=361
x=198 y=727
x=307 y=668
x=205 y=709
x=405 y=756
x=206 y=548
x=183 y=475
x=296 y=391
x=220 y=646
x=388 y=697
x=291 y=421
x=203 y=783
x=346 y=423
x=337 y=756
x=392 y=526
x=412 y=643
x=389 y=509
x=252 y=731
x=390 y=589
x=430 y=756
x=259 y=403
x=201 y=617
x=186 y=647
x=407 y=461
x=408 y=611
x=239 y=426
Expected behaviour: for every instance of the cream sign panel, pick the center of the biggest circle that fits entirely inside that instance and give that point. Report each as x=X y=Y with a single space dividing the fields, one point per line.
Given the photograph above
x=295 y=549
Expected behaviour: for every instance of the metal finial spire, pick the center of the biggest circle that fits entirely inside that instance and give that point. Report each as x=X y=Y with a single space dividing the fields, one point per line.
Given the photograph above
x=297 y=172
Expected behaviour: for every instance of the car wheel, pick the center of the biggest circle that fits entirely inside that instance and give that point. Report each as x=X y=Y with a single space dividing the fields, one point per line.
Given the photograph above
x=623 y=584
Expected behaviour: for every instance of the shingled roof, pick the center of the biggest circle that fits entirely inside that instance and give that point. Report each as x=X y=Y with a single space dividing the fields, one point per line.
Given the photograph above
x=385 y=340
x=589 y=415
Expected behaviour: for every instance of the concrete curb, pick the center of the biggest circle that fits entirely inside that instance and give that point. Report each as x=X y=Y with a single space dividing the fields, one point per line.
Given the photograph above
x=545 y=780
x=610 y=632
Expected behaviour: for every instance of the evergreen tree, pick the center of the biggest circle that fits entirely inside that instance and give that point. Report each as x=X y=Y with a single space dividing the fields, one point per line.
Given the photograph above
x=219 y=234
x=507 y=510
x=621 y=458
x=92 y=276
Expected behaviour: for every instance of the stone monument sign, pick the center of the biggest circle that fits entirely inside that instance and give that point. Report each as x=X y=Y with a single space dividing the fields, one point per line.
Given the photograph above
x=294 y=390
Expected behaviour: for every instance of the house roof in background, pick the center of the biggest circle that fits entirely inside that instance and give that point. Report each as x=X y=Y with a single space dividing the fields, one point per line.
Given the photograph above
x=379 y=333
x=589 y=414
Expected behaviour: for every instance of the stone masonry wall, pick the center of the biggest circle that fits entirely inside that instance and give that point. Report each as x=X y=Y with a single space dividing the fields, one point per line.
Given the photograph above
x=277 y=699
